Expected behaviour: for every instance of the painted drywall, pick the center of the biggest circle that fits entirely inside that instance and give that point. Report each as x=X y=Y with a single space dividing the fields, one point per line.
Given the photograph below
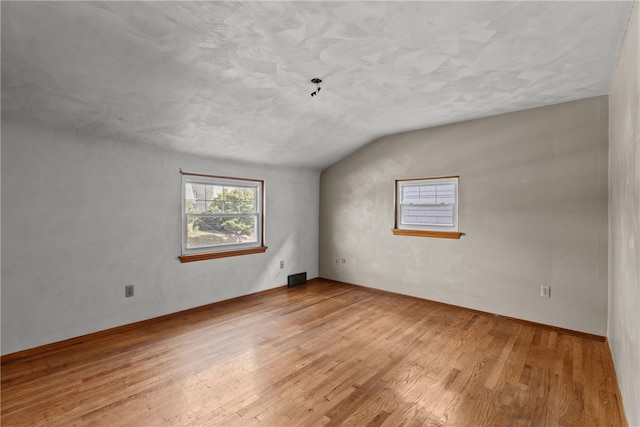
x=624 y=219
x=533 y=207
x=82 y=218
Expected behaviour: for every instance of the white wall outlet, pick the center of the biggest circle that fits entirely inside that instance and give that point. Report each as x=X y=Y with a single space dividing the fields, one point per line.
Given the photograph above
x=545 y=291
x=128 y=291
x=282 y=264
x=343 y=260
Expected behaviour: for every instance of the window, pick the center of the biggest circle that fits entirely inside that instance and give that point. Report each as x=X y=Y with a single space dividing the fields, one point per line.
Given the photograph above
x=221 y=217
x=427 y=207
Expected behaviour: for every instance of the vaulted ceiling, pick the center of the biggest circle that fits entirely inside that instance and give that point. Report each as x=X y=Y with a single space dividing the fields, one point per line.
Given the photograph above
x=232 y=79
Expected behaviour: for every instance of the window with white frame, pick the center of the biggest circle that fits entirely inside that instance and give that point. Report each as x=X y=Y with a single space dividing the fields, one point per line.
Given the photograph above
x=221 y=216
x=427 y=207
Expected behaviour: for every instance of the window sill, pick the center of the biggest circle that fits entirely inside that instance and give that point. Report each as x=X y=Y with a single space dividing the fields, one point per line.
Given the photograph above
x=214 y=255
x=424 y=233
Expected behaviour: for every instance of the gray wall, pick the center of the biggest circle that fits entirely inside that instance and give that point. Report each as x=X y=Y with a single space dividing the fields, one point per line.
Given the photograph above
x=533 y=206
x=82 y=218
x=624 y=225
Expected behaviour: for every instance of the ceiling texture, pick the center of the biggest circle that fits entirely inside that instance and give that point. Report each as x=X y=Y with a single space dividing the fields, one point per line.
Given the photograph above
x=232 y=79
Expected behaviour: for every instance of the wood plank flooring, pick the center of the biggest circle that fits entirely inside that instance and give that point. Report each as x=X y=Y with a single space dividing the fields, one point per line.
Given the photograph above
x=324 y=354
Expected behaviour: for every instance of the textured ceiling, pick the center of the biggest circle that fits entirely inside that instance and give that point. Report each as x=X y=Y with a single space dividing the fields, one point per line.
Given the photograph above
x=232 y=79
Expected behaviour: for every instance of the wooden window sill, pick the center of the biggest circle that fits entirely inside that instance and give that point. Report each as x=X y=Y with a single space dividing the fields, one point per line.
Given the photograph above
x=424 y=233
x=214 y=255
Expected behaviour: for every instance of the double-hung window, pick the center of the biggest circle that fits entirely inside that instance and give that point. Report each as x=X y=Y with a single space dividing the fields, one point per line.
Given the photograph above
x=221 y=217
x=427 y=207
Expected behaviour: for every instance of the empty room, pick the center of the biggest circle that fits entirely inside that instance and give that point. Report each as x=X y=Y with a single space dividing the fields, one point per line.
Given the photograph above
x=305 y=213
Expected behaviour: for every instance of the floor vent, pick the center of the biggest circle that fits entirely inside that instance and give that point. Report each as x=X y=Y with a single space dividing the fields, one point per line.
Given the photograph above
x=297 y=279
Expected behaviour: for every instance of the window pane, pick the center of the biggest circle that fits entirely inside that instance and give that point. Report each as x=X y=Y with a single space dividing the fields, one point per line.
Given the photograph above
x=194 y=198
x=411 y=195
x=249 y=198
x=208 y=192
x=211 y=231
x=239 y=200
x=429 y=194
x=427 y=215
x=188 y=193
x=216 y=205
x=445 y=193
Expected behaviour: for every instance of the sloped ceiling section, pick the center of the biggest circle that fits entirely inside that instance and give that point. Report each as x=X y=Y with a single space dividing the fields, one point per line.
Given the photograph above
x=232 y=79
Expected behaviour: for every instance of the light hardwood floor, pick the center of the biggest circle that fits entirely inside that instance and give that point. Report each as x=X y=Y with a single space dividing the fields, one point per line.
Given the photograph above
x=324 y=353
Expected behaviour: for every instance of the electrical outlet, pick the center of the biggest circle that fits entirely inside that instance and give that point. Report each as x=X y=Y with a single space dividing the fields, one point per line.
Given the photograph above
x=545 y=291
x=343 y=260
x=282 y=264
x=128 y=291
x=337 y=260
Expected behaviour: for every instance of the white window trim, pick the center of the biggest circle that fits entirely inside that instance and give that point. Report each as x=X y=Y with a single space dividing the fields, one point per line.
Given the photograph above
x=222 y=250
x=431 y=230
